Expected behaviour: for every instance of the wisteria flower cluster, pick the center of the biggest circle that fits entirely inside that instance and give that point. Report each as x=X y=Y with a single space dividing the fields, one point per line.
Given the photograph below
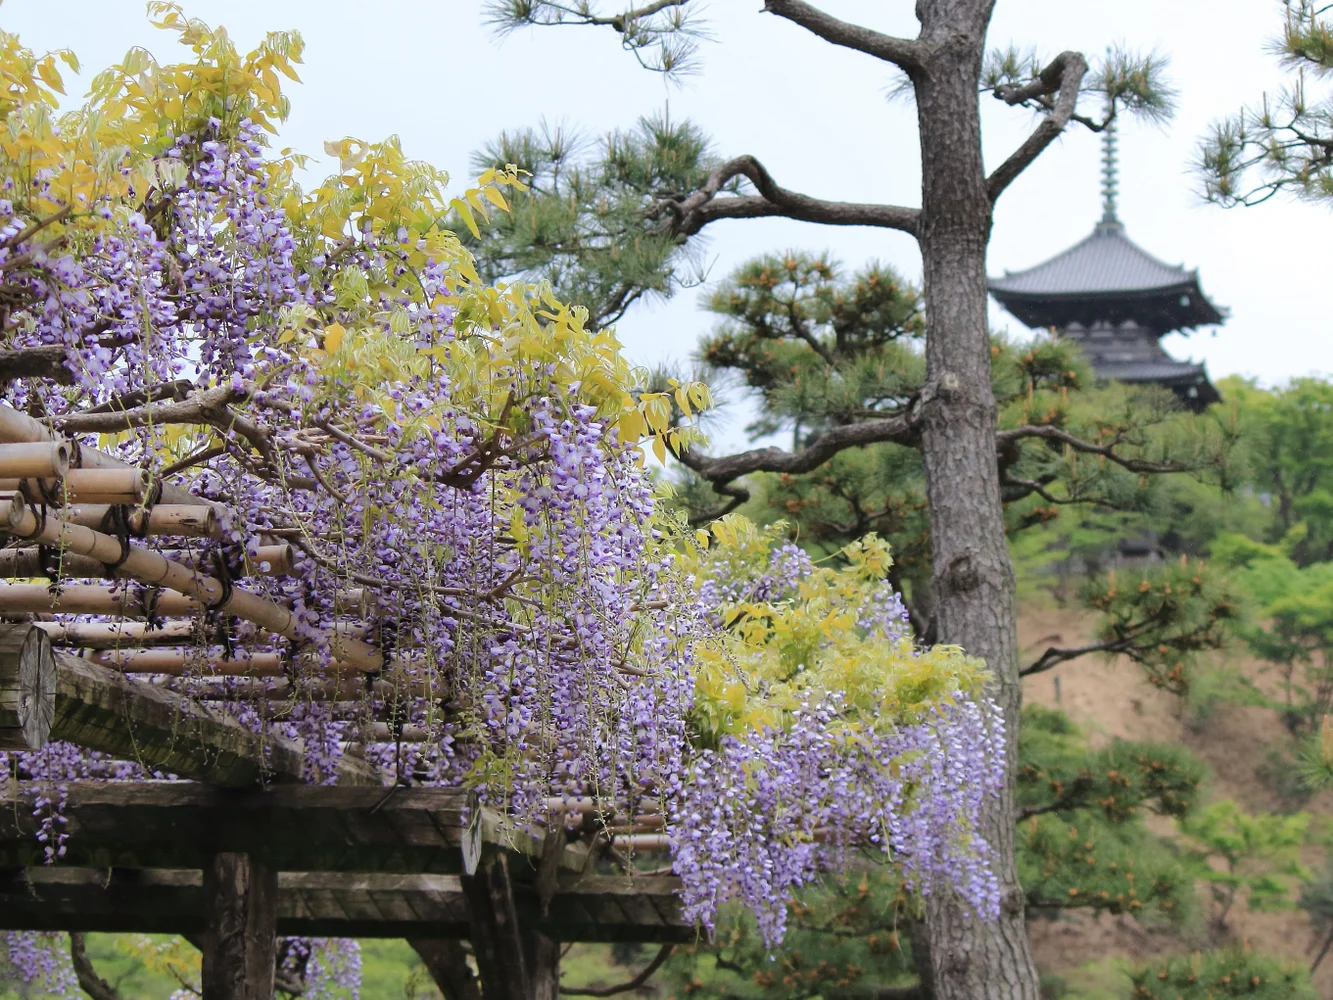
x=829 y=730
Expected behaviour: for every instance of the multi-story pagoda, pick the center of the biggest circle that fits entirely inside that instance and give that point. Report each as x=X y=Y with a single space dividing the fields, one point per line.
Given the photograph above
x=1117 y=301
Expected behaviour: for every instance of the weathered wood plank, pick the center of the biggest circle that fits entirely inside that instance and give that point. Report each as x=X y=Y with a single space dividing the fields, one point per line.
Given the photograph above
x=101 y=709
x=313 y=904
x=289 y=827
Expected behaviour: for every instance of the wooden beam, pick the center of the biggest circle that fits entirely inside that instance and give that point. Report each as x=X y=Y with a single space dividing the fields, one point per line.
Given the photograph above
x=240 y=898
x=293 y=827
x=100 y=709
x=337 y=904
x=27 y=687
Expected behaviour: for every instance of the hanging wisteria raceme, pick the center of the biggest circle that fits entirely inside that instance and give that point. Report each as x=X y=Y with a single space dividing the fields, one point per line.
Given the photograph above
x=37 y=962
x=457 y=471
x=776 y=801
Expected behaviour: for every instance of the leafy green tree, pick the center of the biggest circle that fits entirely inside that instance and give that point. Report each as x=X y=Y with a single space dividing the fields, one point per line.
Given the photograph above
x=1082 y=840
x=1257 y=853
x=954 y=416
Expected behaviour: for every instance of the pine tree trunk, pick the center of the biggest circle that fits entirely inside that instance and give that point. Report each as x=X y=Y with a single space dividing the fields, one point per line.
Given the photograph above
x=973 y=576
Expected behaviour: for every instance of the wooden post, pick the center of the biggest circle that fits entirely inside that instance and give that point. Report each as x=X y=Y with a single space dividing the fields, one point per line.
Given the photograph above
x=240 y=898
x=543 y=962
x=497 y=942
x=446 y=962
x=27 y=687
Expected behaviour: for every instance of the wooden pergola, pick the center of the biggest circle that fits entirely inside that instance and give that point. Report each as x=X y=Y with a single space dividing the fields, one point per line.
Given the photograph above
x=240 y=850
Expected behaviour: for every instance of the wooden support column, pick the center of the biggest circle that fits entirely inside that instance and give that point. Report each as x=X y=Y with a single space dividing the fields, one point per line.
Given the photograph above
x=240 y=943
x=542 y=956
x=497 y=941
x=446 y=961
x=27 y=687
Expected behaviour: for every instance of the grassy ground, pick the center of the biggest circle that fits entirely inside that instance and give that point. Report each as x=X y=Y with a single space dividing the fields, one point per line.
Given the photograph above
x=390 y=970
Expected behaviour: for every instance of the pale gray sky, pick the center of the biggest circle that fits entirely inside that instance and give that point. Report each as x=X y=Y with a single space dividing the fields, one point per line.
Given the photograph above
x=429 y=71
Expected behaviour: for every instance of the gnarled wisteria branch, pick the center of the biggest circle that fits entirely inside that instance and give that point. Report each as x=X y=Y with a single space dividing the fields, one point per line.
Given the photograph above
x=35 y=362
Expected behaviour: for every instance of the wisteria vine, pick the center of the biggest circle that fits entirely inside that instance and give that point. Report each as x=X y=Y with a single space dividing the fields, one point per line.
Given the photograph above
x=454 y=468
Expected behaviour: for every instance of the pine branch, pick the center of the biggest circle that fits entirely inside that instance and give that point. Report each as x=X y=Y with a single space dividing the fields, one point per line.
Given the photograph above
x=1062 y=77
x=696 y=210
x=902 y=52
x=1077 y=789
x=1054 y=656
x=900 y=429
x=658 y=961
x=89 y=981
x=1051 y=433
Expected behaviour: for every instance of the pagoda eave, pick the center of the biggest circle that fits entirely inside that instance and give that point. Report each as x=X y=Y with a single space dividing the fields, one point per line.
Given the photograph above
x=1172 y=307
x=1188 y=381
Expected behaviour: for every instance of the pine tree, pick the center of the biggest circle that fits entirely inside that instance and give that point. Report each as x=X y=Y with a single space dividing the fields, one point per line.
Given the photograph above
x=1285 y=142
x=954 y=416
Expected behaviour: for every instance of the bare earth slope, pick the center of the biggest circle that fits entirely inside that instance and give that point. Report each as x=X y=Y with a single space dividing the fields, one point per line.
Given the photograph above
x=1109 y=699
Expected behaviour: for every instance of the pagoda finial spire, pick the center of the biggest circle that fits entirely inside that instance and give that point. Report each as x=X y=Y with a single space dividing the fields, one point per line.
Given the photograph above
x=1110 y=170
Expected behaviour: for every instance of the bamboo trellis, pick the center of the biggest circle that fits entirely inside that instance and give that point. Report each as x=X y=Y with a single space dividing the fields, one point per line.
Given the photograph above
x=362 y=857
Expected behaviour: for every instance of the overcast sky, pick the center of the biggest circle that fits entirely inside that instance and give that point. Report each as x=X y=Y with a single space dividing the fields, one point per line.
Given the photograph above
x=818 y=117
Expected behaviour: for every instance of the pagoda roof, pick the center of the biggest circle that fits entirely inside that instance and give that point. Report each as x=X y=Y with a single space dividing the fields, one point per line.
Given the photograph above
x=1106 y=277
x=1187 y=380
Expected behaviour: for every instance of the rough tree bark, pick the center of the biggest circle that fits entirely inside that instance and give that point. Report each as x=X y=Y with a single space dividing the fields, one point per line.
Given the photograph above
x=973 y=576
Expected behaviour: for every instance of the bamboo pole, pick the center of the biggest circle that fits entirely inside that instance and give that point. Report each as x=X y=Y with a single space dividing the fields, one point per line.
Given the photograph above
x=118 y=635
x=176 y=663
x=179 y=662
x=185 y=520
x=92 y=599
x=152 y=568
x=268 y=560
x=40 y=460
x=109 y=486
x=21 y=564
x=325 y=689
x=16 y=427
